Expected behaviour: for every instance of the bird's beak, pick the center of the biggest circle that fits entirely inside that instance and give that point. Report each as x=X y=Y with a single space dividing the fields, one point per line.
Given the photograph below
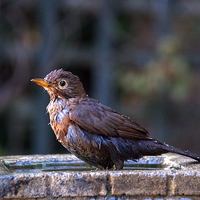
x=41 y=82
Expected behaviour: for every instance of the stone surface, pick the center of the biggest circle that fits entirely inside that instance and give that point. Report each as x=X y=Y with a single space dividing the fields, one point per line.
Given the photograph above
x=32 y=177
x=23 y=186
x=139 y=183
x=3 y=168
x=78 y=184
x=185 y=183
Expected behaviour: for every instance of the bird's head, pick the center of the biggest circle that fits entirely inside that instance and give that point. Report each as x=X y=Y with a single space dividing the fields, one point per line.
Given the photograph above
x=61 y=84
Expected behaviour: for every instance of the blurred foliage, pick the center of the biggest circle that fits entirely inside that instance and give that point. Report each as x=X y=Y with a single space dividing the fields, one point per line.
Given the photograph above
x=169 y=71
x=154 y=53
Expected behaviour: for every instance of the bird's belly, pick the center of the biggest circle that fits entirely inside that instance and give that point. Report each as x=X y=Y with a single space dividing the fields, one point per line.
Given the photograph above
x=87 y=147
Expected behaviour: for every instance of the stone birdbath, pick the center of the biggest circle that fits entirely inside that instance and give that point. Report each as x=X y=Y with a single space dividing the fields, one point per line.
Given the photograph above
x=58 y=176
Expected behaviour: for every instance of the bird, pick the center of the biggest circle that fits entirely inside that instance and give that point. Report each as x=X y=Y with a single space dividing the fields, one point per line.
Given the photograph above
x=93 y=132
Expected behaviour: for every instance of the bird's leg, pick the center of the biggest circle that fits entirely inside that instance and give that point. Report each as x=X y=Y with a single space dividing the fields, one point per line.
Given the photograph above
x=119 y=164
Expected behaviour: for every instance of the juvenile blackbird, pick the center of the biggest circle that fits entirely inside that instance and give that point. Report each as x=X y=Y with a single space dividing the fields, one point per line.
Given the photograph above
x=94 y=132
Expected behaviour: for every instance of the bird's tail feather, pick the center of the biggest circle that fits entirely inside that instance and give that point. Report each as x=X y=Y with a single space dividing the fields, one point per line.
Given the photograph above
x=165 y=148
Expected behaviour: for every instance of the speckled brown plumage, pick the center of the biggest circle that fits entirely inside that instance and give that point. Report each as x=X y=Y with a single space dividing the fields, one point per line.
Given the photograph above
x=92 y=131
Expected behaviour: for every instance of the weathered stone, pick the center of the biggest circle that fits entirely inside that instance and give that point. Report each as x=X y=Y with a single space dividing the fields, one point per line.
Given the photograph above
x=185 y=183
x=78 y=184
x=3 y=168
x=134 y=183
x=178 y=179
x=28 y=185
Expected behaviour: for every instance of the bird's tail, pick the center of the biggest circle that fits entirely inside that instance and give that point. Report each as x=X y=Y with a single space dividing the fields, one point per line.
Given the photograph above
x=161 y=147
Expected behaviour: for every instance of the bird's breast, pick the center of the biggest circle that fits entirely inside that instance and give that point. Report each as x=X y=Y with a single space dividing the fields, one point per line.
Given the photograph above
x=59 y=117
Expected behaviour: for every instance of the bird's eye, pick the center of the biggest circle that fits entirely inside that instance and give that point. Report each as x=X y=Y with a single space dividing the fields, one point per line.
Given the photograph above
x=62 y=83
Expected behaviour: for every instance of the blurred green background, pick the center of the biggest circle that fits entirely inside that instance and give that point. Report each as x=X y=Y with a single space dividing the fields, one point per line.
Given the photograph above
x=140 y=57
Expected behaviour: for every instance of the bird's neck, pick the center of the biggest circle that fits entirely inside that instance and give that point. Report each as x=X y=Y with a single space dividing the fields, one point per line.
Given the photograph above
x=62 y=102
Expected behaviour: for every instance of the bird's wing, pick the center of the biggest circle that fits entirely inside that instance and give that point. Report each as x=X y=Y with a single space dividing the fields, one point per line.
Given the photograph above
x=100 y=119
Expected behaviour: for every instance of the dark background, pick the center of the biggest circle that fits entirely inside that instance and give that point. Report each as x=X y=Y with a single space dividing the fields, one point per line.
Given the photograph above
x=138 y=57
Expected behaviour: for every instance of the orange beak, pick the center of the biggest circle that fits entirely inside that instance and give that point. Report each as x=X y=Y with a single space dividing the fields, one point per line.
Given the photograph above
x=41 y=82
